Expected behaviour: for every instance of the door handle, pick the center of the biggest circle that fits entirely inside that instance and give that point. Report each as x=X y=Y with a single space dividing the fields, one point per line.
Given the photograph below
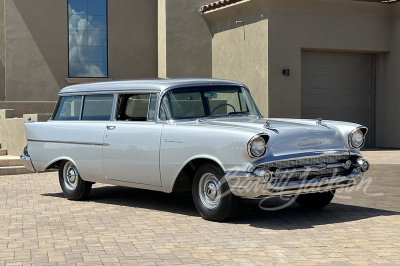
x=110 y=127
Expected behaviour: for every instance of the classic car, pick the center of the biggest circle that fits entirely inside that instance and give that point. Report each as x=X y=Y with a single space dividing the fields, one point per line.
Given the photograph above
x=205 y=136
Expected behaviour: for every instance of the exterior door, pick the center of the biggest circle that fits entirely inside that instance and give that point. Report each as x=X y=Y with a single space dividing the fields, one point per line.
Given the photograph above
x=339 y=86
x=131 y=152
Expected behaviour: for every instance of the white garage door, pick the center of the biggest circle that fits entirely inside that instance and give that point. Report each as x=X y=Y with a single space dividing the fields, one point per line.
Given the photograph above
x=339 y=86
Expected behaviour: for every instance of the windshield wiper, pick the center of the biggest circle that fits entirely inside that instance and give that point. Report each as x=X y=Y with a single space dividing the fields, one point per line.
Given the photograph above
x=218 y=115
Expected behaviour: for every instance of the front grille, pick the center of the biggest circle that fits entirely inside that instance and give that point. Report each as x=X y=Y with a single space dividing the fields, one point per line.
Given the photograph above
x=308 y=161
x=299 y=163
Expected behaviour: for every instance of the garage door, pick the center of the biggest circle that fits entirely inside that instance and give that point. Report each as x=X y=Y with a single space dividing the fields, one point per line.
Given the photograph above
x=339 y=86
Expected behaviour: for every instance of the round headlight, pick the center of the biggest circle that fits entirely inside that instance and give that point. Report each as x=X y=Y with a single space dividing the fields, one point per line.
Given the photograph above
x=257 y=147
x=357 y=139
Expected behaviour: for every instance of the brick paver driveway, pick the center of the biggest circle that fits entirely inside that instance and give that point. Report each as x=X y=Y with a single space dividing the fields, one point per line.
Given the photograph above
x=123 y=226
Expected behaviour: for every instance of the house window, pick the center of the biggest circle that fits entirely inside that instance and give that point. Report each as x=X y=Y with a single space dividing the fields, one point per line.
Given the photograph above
x=87 y=21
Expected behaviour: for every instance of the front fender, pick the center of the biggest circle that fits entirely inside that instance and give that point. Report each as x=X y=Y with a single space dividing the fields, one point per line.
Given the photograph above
x=168 y=187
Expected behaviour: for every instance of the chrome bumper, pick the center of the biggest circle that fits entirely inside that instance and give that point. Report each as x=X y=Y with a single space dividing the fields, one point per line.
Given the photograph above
x=27 y=162
x=249 y=185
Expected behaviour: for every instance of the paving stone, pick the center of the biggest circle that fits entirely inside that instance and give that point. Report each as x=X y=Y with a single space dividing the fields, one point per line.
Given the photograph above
x=125 y=226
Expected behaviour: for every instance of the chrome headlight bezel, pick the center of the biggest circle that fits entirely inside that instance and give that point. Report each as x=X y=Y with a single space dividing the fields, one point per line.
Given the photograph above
x=363 y=131
x=264 y=139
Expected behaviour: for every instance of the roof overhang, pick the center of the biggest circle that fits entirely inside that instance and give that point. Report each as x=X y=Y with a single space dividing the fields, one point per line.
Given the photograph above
x=224 y=3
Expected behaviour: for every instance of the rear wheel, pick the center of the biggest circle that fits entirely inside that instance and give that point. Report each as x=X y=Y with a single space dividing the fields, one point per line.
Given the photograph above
x=315 y=200
x=211 y=194
x=72 y=185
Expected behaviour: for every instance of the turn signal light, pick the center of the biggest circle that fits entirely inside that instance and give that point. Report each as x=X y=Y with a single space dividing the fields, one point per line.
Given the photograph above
x=364 y=165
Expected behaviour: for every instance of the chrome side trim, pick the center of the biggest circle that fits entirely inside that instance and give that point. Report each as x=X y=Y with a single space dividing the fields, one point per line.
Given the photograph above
x=71 y=142
x=306 y=155
x=27 y=162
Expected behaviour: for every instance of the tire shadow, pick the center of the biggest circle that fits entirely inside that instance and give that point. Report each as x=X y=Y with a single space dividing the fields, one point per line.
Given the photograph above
x=248 y=211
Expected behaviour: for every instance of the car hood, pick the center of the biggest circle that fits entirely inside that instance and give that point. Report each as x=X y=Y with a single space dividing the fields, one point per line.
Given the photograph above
x=287 y=136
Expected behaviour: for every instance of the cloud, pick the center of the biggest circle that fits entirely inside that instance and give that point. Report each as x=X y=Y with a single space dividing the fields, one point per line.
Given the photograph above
x=83 y=45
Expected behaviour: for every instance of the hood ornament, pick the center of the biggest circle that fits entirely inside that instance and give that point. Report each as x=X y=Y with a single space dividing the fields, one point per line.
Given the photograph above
x=268 y=126
x=321 y=123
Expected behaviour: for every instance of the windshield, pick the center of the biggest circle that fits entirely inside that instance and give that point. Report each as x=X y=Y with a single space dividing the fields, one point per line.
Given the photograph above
x=206 y=101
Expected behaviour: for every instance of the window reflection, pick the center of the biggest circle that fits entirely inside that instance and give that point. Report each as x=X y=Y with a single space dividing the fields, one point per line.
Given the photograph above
x=87 y=38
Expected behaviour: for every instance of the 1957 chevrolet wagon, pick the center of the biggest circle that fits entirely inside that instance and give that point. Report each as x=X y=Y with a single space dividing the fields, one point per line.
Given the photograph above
x=200 y=135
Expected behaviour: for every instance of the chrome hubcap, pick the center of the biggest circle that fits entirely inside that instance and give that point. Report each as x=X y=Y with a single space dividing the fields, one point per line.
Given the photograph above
x=70 y=175
x=209 y=191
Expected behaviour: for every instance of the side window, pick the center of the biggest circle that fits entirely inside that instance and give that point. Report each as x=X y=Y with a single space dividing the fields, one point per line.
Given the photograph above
x=164 y=108
x=134 y=107
x=243 y=104
x=97 y=107
x=69 y=108
x=182 y=105
x=152 y=108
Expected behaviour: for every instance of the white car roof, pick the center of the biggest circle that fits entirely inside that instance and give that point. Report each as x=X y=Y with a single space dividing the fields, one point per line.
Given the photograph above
x=144 y=85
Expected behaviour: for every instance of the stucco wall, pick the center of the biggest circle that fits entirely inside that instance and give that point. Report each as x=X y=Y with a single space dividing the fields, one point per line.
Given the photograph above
x=12 y=135
x=12 y=132
x=27 y=107
x=188 y=40
x=36 y=49
x=290 y=26
x=132 y=39
x=388 y=108
x=37 y=45
x=240 y=52
x=285 y=29
x=291 y=31
x=2 y=51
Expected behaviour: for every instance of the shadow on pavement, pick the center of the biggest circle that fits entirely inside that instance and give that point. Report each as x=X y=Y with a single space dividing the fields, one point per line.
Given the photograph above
x=248 y=211
x=294 y=217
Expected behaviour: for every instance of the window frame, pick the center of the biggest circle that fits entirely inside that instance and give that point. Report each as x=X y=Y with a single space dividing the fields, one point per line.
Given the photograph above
x=249 y=101
x=107 y=26
x=120 y=104
x=83 y=106
x=57 y=107
x=112 y=114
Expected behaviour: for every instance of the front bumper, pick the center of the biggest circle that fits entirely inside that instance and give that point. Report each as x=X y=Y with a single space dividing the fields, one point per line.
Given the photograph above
x=27 y=162
x=249 y=185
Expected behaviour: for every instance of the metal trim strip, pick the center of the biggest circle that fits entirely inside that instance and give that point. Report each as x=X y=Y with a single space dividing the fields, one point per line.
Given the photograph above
x=71 y=142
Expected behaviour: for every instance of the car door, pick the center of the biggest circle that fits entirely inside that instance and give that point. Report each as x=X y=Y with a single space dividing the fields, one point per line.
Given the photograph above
x=132 y=142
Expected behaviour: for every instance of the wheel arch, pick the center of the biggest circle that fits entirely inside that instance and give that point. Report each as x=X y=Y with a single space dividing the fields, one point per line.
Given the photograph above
x=183 y=181
x=54 y=164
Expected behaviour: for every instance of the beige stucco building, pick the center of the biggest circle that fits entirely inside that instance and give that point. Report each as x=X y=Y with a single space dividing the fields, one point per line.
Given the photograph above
x=341 y=56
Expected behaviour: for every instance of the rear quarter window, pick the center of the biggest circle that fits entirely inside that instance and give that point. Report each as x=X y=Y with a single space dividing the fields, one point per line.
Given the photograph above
x=68 y=108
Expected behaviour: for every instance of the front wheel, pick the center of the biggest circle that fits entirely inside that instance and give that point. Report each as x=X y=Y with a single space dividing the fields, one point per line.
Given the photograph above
x=72 y=185
x=211 y=194
x=315 y=200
